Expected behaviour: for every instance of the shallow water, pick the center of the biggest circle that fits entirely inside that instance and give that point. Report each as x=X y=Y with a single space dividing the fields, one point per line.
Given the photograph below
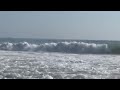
x=48 y=65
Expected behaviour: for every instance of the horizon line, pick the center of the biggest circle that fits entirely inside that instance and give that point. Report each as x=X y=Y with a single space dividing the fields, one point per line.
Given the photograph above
x=56 y=38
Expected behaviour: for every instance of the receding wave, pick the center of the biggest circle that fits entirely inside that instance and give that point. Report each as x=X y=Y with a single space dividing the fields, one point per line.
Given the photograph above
x=66 y=47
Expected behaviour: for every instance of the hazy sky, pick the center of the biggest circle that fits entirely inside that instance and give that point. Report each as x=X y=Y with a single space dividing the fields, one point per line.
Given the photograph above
x=96 y=25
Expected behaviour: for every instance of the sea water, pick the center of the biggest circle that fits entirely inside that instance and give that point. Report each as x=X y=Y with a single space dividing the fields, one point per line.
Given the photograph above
x=59 y=59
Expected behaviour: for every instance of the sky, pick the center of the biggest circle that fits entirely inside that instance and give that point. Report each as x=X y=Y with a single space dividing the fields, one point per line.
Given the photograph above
x=91 y=25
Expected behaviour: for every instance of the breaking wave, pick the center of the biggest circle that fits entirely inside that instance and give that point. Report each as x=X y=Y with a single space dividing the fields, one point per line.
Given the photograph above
x=66 y=47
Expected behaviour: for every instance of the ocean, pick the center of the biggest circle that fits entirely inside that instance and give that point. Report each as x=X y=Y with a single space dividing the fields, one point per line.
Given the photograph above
x=22 y=58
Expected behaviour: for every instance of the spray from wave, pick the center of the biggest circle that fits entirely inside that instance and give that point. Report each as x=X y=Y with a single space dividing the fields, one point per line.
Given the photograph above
x=66 y=47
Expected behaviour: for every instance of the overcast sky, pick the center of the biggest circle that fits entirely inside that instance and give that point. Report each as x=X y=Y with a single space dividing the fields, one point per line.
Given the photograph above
x=95 y=25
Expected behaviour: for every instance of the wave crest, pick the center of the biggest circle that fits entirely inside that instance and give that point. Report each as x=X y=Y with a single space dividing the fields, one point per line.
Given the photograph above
x=67 y=47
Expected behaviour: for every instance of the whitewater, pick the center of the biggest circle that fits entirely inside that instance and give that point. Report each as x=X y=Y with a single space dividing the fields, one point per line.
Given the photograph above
x=59 y=59
x=67 y=47
x=52 y=65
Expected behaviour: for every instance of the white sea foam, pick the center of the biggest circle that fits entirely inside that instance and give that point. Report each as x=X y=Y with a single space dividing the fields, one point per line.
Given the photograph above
x=47 y=65
x=67 y=47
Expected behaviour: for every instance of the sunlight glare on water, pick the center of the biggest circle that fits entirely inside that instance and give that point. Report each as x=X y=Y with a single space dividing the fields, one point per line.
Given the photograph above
x=45 y=65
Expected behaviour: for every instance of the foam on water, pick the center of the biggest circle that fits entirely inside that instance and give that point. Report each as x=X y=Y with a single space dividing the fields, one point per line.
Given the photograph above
x=67 y=47
x=14 y=64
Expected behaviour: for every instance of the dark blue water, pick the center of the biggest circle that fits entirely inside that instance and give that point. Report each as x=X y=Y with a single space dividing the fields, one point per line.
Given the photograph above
x=36 y=41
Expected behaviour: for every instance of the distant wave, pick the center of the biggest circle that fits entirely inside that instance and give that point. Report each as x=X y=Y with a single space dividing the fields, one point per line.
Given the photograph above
x=66 y=47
